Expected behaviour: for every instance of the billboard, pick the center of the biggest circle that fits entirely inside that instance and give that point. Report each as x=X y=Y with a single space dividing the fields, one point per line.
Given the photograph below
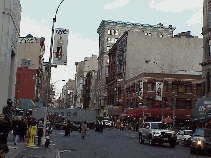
x=159 y=91
x=60 y=46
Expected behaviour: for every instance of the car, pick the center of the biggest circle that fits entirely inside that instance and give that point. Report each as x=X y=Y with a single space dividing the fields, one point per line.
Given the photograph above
x=201 y=141
x=184 y=137
x=156 y=132
x=60 y=126
x=76 y=126
x=107 y=123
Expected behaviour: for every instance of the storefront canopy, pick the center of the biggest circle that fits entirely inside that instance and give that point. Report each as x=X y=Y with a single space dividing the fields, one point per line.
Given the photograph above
x=157 y=112
x=202 y=109
x=27 y=104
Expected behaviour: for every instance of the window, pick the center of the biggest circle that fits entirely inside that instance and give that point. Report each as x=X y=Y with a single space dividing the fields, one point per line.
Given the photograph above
x=112 y=40
x=210 y=19
x=109 y=40
x=146 y=33
x=116 y=39
x=151 y=87
x=150 y=34
x=174 y=86
x=165 y=88
x=188 y=88
x=112 y=32
x=116 y=32
x=109 y=31
x=108 y=47
x=181 y=88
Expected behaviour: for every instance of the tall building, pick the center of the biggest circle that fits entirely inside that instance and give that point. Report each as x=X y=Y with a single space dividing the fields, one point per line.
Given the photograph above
x=206 y=32
x=82 y=68
x=109 y=31
x=10 y=15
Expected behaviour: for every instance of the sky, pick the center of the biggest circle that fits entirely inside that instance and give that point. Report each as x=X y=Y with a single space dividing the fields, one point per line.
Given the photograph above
x=83 y=17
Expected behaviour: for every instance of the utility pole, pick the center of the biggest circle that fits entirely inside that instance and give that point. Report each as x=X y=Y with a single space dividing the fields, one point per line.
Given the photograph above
x=49 y=65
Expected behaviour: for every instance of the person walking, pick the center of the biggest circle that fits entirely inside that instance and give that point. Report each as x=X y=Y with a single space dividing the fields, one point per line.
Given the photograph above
x=68 y=128
x=84 y=129
x=4 y=128
x=22 y=129
x=15 y=128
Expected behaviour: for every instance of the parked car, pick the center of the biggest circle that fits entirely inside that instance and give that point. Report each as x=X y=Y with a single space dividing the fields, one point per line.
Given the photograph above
x=201 y=141
x=156 y=132
x=76 y=126
x=184 y=137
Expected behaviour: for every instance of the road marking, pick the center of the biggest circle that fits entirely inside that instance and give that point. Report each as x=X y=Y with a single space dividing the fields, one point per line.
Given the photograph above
x=57 y=156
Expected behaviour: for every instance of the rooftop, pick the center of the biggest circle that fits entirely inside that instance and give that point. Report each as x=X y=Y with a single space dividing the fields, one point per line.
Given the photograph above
x=134 y=25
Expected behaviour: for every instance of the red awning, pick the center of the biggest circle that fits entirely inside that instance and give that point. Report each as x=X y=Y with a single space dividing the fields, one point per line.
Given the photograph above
x=157 y=112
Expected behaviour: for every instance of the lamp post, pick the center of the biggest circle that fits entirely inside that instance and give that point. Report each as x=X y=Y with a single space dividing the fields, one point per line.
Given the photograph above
x=49 y=65
x=148 y=61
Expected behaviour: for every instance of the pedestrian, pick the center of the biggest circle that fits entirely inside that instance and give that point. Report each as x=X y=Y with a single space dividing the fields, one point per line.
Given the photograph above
x=84 y=129
x=4 y=128
x=22 y=129
x=68 y=128
x=39 y=134
x=15 y=128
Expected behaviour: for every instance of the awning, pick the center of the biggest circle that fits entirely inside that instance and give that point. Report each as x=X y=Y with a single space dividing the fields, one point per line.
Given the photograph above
x=157 y=112
x=27 y=104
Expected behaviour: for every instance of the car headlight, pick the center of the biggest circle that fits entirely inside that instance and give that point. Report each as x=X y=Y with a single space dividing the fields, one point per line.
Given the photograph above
x=199 y=142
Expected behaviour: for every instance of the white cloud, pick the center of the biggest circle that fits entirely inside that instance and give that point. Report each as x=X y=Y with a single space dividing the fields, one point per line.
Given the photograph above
x=116 y=4
x=196 y=18
x=176 y=6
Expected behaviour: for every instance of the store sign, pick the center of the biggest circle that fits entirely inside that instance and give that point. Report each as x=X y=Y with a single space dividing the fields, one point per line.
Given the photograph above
x=60 y=46
x=141 y=90
x=159 y=91
x=27 y=40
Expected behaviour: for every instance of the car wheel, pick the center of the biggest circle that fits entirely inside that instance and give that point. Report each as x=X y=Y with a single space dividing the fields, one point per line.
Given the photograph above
x=151 y=141
x=172 y=144
x=185 y=143
x=141 y=141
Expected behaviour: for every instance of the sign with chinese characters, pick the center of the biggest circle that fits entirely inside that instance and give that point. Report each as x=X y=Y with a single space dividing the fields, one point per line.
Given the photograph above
x=141 y=90
x=60 y=46
x=159 y=91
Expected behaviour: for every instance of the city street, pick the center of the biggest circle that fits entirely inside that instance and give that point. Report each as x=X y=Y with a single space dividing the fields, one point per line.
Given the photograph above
x=113 y=143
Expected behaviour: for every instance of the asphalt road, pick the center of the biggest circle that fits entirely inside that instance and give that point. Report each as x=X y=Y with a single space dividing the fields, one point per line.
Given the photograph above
x=113 y=143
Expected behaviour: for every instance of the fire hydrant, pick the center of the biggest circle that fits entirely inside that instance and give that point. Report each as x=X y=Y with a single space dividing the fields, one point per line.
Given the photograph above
x=32 y=133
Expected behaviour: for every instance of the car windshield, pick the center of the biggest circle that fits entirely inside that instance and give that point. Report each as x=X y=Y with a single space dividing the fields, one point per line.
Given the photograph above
x=158 y=126
x=199 y=132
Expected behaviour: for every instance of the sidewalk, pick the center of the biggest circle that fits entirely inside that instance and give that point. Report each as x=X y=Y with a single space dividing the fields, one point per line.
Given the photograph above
x=22 y=151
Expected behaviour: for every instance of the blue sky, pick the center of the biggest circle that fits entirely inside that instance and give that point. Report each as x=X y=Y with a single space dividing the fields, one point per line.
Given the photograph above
x=83 y=17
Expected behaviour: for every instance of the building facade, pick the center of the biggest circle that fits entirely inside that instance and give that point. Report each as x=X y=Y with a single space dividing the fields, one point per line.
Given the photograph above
x=10 y=15
x=206 y=32
x=109 y=31
x=168 y=55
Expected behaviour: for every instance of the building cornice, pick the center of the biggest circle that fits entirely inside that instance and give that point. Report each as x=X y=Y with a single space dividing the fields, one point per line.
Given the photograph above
x=136 y=25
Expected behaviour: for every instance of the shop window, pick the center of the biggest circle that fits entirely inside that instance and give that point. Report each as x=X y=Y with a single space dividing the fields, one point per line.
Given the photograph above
x=188 y=88
x=109 y=40
x=175 y=87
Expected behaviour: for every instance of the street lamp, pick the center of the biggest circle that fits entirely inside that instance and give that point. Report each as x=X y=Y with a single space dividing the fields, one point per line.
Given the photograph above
x=148 y=61
x=49 y=65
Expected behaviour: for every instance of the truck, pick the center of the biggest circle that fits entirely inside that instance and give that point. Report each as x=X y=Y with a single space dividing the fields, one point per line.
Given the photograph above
x=74 y=115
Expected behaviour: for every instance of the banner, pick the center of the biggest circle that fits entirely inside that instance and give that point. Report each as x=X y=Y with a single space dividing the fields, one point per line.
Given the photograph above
x=141 y=90
x=159 y=91
x=60 y=46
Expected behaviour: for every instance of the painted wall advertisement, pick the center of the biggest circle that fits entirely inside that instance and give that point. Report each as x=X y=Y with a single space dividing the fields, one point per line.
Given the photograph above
x=159 y=91
x=60 y=46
